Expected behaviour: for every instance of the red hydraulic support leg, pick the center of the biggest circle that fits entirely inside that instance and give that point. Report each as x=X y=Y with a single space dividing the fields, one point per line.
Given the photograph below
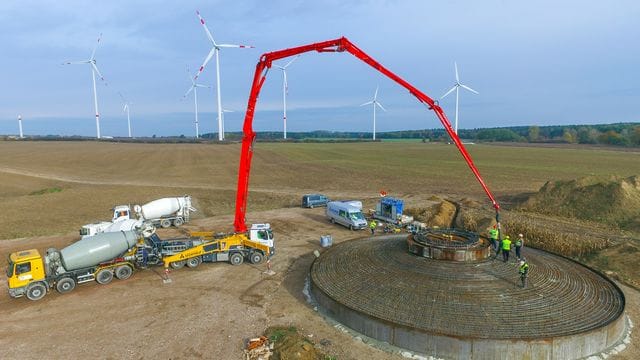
x=337 y=45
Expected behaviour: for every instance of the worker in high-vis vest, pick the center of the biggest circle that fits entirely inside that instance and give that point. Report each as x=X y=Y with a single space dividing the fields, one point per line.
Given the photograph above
x=523 y=270
x=372 y=226
x=506 y=248
x=493 y=237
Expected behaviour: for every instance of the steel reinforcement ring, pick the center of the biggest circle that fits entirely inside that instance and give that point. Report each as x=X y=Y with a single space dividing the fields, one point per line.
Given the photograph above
x=470 y=310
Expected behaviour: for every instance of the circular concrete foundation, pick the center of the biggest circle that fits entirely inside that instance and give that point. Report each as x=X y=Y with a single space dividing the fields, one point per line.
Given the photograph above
x=468 y=310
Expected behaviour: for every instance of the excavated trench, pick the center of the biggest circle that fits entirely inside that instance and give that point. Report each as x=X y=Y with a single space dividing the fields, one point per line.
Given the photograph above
x=468 y=309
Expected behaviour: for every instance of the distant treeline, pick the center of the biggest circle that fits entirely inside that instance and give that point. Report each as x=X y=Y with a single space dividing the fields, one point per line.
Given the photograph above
x=622 y=134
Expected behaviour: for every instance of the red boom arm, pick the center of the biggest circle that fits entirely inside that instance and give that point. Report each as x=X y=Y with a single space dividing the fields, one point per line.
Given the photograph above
x=337 y=45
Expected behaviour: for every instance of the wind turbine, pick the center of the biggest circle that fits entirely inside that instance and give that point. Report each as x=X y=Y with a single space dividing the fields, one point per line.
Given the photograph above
x=20 y=126
x=285 y=91
x=216 y=50
x=94 y=70
x=375 y=103
x=126 y=108
x=194 y=87
x=457 y=87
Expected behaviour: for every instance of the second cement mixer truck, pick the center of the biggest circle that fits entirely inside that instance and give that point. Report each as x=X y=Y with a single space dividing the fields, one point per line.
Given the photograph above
x=161 y=212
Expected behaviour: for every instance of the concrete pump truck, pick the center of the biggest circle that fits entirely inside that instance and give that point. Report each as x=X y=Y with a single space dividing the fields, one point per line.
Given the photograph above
x=31 y=274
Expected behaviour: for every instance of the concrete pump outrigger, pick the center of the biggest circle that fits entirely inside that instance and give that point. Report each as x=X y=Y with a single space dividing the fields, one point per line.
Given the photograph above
x=338 y=45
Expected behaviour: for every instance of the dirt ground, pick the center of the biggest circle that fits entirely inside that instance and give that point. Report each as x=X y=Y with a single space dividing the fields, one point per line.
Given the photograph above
x=209 y=312
x=206 y=312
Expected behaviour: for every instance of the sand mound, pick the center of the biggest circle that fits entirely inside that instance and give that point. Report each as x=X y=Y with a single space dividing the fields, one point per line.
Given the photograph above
x=614 y=200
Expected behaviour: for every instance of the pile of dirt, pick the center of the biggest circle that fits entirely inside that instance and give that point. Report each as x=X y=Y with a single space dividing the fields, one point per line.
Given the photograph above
x=614 y=200
x=439 y=215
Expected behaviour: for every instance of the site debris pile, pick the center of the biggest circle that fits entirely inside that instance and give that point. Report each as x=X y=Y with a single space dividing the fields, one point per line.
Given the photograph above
x=468 y=309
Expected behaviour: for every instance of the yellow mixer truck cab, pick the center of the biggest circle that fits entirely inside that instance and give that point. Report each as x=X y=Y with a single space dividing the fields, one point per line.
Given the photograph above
x=25 y=268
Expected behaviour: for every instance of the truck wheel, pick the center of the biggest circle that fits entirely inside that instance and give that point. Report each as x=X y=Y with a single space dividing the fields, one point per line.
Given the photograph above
x=36 y=291
x=177 y=222
x=65 y=285
x=165 y=223
x=194 y=262
x=124 y=272
x=351 y=227
x=178 y=264
x=256 y=258
x=104 y=276
x=333 y=221
x=310 y=206
x=236 y=259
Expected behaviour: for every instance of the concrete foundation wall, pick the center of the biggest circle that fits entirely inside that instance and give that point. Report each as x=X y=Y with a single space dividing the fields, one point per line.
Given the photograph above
x=566 y=347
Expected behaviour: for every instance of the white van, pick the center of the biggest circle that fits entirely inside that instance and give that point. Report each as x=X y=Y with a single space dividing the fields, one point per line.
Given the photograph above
x=346 y=214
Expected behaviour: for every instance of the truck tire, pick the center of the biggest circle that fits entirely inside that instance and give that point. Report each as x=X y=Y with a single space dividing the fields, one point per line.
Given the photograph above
x=165 y=223
x=178 y=222
x=178 y=264
x=104 y=276
x=194 y=262
x=333 y=221
x=236 y=259
x=123 y=272
x=256 y=258
x=65 y=285
x=36 y=291
x=351 y=227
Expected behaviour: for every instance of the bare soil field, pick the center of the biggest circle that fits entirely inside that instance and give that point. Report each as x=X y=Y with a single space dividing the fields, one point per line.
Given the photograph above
x=52 y=188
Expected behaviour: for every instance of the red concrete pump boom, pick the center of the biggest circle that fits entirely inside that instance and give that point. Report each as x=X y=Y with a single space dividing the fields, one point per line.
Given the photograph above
x=337 y=45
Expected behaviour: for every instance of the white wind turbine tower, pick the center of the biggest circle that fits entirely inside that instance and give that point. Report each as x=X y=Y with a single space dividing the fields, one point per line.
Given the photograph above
x=194 y=87
x=20 y=126
x=94 y=70
x=375 y=103
x=457 y=87
x=126 y=109
x=285 y=91
x=216 y=50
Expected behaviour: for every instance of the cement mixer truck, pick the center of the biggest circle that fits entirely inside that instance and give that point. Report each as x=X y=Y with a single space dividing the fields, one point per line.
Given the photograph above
x=162 y=212
x=98 y=258
x=116 y=254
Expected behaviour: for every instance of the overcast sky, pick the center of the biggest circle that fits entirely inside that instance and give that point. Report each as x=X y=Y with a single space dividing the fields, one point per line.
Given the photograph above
x=537 y=62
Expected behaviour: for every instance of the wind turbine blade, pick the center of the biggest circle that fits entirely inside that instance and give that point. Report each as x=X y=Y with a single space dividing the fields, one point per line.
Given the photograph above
x=93 y=53
x=202 y=86
x=206 y=60
x=206 y=29
x=292 y=60
x=227 y=111
x=449 y=92
x=188 y=92
x=235 y=46
x=470 y=89
x=93 y=64
x=125 y=107
x=279 y=67
x=381 y=107
x=367 y=103
x=123 y=99
x=375 y=95
x=76 y=62
x=457 y=77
